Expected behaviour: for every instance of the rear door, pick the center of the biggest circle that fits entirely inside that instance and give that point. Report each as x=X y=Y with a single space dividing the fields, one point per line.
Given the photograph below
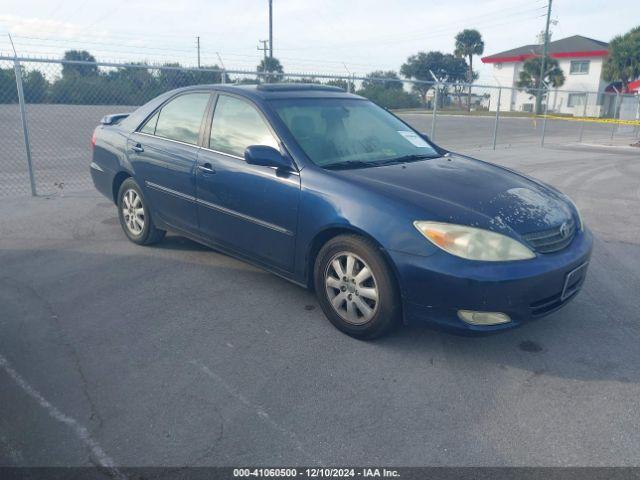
x=248 y=208
x=163 y=153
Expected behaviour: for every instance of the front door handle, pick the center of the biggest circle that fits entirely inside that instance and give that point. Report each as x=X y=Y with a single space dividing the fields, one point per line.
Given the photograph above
x=137 y=148
x=206 y=168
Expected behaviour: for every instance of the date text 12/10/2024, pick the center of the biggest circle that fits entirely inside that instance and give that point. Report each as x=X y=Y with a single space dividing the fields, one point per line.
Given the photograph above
x=315 y=472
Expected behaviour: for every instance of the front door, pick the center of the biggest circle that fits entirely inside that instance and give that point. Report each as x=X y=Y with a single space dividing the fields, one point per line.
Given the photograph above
x=247 y=208
x=163 y=153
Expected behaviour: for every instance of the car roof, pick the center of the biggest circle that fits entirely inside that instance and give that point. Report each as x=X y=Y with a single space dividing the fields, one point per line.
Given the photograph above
x=279 y=90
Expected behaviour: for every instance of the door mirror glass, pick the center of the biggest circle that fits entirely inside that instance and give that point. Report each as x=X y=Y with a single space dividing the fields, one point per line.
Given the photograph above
x=266 y=156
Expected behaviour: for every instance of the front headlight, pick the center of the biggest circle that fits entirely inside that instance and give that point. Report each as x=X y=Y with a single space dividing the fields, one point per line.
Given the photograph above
x=473 y=243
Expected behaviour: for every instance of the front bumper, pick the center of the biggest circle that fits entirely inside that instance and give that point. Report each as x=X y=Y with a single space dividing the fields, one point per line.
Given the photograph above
x=434 y=288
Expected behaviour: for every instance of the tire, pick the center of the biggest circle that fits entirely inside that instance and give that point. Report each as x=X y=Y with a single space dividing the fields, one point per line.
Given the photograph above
x=135 y=216
x=356 y=313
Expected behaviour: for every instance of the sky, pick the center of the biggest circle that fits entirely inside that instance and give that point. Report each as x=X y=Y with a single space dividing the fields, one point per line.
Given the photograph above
x=331 y=36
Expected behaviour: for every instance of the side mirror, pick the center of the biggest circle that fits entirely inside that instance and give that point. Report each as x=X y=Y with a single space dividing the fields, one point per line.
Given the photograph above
x=267 y=157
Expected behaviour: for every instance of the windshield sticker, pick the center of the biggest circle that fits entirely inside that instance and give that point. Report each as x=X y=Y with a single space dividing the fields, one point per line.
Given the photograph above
x=414 y=138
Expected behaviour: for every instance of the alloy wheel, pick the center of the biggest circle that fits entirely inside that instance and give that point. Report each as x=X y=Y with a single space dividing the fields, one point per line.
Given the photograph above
x=351 y=288
x=133 y=211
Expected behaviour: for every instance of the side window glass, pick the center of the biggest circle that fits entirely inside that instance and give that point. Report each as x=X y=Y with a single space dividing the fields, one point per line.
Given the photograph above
x=236 y=125
x=150 y=126
x=180 y=119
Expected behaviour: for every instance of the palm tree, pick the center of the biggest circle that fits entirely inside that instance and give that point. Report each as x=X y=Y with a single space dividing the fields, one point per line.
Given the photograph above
x=530 y=77
x=468 y=44
x=623 y=62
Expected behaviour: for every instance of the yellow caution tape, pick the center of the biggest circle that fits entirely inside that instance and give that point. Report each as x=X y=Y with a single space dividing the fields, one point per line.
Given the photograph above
x=589 y=119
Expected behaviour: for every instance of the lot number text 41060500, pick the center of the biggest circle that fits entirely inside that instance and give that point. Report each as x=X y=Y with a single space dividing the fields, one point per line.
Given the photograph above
x=316 y=472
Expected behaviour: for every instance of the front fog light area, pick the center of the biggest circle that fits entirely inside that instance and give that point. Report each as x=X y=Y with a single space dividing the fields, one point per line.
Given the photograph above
x=483 y=318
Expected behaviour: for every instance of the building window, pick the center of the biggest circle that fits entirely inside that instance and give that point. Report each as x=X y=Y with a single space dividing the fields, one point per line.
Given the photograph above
x=576 y=99
x=579 y=67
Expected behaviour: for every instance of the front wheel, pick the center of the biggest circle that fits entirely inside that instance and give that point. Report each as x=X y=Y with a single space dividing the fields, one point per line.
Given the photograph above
x=356 y=288
x=134 y=214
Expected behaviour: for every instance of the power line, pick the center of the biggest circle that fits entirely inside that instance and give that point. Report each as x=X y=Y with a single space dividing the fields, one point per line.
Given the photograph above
x=162 y=51
x=438 y=32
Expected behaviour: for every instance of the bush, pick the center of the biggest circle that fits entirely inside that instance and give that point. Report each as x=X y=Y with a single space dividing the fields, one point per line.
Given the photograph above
x=390 y=97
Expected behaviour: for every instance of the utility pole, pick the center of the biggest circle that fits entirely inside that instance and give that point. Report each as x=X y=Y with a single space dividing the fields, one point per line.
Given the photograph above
x=198 y=43
x=224 y=69
x=543 y=66
x=264 y=48
x=270 y=28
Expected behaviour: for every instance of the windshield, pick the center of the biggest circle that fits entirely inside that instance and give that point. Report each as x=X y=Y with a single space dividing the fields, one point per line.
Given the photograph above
x=350 y=133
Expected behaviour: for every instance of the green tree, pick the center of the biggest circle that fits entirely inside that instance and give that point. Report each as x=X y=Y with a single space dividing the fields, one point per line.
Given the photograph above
x=273 y=67
x=469 y=43
x=623 y=62
x=378 y=79
x=387 y=93
x=35 y=86
x=417 y=68
x=341 y=83
x=445 y=67
x=174 y=77
x=8 y=88
x=530 y=77
x=390 y=97
x=69 y=69
x=203 y=76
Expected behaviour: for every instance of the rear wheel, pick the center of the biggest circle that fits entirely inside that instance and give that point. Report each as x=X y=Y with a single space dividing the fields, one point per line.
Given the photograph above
x=356 y=288
x=135 y=217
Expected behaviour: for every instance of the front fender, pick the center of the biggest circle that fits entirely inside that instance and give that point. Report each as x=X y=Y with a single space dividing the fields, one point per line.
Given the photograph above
x=330 y=203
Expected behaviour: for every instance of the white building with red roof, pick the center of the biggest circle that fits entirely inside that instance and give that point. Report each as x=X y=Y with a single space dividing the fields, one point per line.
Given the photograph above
x=580 y=58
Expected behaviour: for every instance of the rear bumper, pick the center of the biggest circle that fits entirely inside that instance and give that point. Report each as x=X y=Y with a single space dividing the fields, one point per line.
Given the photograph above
x=434 y=288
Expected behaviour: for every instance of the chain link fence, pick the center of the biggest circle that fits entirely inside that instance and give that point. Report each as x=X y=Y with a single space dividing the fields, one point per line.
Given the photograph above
x=49 y=112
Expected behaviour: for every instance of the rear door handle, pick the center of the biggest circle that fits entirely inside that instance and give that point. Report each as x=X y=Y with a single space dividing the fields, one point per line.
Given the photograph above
x=206 y=168
x=137 y=148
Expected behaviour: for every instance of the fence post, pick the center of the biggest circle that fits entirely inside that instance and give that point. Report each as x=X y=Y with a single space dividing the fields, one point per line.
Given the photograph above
x=637 y=129
x=495 y=127
x=434 y=114
x=544 y=120
x=616 y=114
x=25 y=126
x=584 y=115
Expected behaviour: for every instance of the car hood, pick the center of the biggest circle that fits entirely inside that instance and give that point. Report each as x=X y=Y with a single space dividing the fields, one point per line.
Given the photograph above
x=459 y=189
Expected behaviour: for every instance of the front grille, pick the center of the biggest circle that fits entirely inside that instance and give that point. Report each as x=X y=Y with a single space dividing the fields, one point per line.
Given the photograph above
x=552 y=240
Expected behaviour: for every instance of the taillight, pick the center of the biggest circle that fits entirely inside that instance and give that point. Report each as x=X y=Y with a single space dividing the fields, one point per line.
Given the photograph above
x=93 y=139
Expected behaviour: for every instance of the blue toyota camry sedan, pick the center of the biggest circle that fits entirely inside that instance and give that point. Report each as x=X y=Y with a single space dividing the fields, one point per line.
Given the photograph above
x=334 y=193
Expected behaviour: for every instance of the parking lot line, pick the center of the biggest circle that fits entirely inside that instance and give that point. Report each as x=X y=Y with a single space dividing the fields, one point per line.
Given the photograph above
x=80 y=431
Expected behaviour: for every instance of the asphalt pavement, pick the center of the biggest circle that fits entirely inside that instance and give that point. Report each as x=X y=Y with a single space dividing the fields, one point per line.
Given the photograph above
x=115 y=354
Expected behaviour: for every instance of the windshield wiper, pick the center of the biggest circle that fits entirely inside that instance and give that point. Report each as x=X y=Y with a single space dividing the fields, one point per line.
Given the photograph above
x=406 y=158
x=349 y=164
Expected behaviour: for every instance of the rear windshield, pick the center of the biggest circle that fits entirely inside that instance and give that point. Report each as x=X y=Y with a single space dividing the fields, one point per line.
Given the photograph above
x=334 y=131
